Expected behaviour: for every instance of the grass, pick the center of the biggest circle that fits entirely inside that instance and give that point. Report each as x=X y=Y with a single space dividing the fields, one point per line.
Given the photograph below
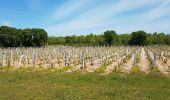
x=138 y=59
x=50 y=85
x=155 y=69
x=136 y=69
x=101 y=69
x=32 y=69
x=64 y=69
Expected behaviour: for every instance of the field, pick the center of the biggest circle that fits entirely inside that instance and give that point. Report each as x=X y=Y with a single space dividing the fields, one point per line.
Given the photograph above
x=60 y=72
x=49 y=85
x=89 y=59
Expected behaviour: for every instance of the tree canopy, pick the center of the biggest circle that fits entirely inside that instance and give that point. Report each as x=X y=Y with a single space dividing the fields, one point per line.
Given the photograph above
x=12 y=37
x=112 y=38
x=138 y=38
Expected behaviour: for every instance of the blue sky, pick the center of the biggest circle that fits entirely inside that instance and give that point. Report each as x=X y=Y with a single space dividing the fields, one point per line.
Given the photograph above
x=77 y=17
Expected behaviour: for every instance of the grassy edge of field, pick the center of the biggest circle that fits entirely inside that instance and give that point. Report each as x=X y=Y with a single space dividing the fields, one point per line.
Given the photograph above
x=49 y=84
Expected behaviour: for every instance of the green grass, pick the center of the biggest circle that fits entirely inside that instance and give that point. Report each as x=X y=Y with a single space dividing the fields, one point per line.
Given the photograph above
x=136 y=69
x=33 y=69
x=138 y=59
x=101 y=69
x=49 y=85
x=64 y=69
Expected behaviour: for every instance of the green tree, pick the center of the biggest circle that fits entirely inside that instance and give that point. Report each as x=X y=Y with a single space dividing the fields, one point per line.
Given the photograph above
x=167 y=39
x=12 y=37
x=39 y=37
x=110 y=37
x=56 y=40
x=8 y=36
x=26 y=38
x=124 y=39
x=138 y=38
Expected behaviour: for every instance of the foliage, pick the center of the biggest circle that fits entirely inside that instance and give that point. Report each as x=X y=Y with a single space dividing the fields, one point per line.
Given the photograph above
x=136 y=69
x=124 y=39
x=101 y=69
x=64 y=69
x=12 y=37
x=56 y=40
x=112 y=38
x=138 y=38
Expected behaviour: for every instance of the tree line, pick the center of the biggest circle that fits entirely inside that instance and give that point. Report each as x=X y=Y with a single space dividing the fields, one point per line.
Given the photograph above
x=110 y=37
x=12 y=37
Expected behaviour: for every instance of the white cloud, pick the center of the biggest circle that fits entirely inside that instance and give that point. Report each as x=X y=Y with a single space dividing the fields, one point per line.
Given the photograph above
x=158 y=12
x=69 y=8
x=150 y=21
x=102 y=16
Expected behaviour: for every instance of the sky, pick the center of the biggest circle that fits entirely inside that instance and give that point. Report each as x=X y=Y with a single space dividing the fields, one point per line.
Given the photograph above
x=81 y=17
